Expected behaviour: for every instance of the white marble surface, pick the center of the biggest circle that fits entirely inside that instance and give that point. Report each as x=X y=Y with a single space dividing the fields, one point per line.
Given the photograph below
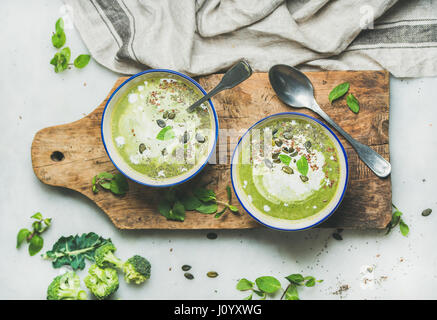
x=34 y=97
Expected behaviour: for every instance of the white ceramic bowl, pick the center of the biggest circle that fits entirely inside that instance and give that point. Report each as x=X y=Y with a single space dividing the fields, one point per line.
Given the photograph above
x=285 y=224
x=108 y=142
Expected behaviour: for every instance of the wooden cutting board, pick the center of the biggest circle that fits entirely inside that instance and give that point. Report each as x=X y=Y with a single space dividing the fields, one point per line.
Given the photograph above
x=367 y=203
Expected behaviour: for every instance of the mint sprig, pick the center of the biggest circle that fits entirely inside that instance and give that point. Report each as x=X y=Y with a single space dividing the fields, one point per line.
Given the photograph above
x=33 y=238
x=116 y=183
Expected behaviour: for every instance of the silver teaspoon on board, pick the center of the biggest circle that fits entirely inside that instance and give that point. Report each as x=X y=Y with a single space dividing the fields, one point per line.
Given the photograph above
x=234 y=76
x=295 y=89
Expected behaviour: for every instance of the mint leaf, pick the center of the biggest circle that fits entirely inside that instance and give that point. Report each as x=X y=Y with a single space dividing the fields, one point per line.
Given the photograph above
x=36 y=244
x=165 y=134
x=302 y=166
x=178 y=212
x=291 y=293
x=285 y=159
x=233 y=209
x=37 y=216
x=404 y=228
x=249 y=297
x=204 y=195
x=229 y=194
x=119 y=184
x=295 y=278
x=207 y=208
x=191 y=203
x=105 y=175
x=164 y=208
x=59 y=39
x=339 y=91
x=268 y=284
x=59 y=26
x=61 y=60
x=353 y=103
x=244 y=285
x=82 y=60
x=310 y=281
x=220 y=213
x=22 y=235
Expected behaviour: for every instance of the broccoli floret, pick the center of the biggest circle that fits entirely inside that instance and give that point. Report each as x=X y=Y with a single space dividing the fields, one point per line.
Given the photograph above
x=136 y=269
x=105 y=257
x=102 y=282
x=66 y=287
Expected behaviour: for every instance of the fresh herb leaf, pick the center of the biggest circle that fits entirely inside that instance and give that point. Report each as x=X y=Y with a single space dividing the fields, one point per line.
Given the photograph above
x=249 y=297
x=119 y=184
x=61 y=59
x=191 y=203
x=291 y=292
x=204 y=194
x=220 y=213
x=37 y=216
x=22 y=235
x=207 y=208
x=302 y=166
x=295 y=278
x=268 y=284
x=353 y=103
x=339 y=91
x=404 y=228
x=233 y=209
x=285 y=159
x=33 y=237
x=310 y=281
x=73 y=250
x=59 y=26
x=164 y=208
x=35 y=245
x=165 y=134
x=178 y=211
x=244 y=285
x=58 y=39
x=116 y=183
x=82 y=60
x=395 y=219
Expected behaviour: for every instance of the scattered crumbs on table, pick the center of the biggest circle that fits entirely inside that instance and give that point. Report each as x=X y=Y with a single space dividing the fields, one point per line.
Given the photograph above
x=343 y=288
x=84 y=84
x=171 y=249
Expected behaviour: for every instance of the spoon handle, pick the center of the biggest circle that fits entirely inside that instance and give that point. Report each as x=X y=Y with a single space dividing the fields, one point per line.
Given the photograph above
x=234 y=76
x=371 y=158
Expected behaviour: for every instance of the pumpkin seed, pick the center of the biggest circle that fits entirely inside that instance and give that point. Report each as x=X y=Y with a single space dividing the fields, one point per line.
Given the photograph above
x=288 y=135
x=277 y=161
x=171 y=115
x=304 y=178
x=268 y=163
x=165 y=114
x=426 y=212
x=275 y=155
x=186 y=267
x=278 y=142
x=212 y=274
x=200 y=138
x=161 y=123
x=142 y=147
x=164 y=152
x=185 y=137
x=189 y=276
x=287 y=170
x=308 y=145
x=286 y=150
x=275 y=131
x=293 y=154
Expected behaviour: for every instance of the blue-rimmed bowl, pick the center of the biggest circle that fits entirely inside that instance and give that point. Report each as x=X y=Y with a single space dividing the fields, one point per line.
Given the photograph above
x=108 y=141
x=285 y=224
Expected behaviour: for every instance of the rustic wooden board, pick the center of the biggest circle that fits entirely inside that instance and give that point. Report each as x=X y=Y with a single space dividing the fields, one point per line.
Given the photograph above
x=367 y=203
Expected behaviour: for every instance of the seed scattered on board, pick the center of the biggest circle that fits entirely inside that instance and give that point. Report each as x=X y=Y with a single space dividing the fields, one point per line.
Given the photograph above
x=426 y=212
x=211 y=236
x=189 y=276
x=212 y=274
x=186 y=267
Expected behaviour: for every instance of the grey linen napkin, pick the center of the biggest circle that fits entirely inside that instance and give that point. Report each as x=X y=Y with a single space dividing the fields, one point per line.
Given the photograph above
x=205 y=36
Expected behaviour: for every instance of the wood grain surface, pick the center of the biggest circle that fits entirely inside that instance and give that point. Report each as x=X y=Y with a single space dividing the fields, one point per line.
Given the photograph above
x=367 y=203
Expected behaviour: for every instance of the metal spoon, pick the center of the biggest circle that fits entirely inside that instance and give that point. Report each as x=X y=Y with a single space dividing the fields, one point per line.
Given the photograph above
x=296 y=90
x=234 y=76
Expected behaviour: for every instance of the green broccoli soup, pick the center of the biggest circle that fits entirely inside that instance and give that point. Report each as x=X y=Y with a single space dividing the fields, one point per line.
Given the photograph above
x=153 y=132
x=288 y=168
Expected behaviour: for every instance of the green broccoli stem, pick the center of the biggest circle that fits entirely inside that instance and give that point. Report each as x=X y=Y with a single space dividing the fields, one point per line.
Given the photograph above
x=111 y=258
